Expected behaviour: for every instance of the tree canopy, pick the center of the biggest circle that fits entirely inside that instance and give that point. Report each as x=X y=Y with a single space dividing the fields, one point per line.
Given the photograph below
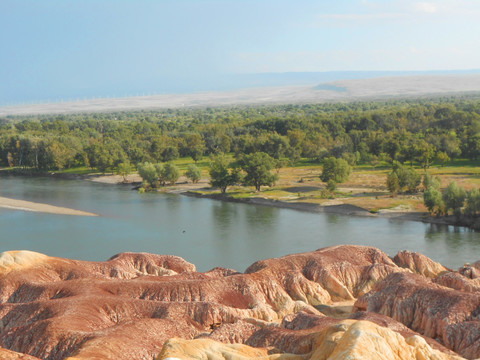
x=404 y=131
x=222 y=174
x=258 y=168
x=335 y=170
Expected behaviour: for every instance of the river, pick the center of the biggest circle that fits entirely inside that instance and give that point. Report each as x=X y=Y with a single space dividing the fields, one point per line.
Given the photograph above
x=205 y=232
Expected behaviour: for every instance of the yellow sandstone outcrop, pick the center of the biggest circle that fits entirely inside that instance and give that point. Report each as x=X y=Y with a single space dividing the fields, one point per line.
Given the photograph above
x=12 y=355
x=16 y=260
x=349 y=339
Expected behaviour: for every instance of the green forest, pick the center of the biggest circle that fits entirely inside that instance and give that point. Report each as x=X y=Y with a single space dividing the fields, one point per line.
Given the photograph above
x=406 y=131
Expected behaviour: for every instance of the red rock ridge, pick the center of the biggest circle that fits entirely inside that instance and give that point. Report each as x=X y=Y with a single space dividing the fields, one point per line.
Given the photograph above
x=129 y=306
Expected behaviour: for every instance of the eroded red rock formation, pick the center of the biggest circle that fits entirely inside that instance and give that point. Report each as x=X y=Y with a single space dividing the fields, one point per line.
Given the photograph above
x=452 y=316
x=419 y=264
x=457 y=281
x=129 y=306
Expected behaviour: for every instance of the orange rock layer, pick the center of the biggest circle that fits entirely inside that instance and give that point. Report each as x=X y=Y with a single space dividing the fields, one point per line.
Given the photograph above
x=334 y=303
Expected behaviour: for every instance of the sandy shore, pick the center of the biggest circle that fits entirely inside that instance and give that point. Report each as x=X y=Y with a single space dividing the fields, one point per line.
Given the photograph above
x=15 y=204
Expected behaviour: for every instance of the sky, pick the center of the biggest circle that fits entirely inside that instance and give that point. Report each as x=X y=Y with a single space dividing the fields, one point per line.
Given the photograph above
x=55 y=49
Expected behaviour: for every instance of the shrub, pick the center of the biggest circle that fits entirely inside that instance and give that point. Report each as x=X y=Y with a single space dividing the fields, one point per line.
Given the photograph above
x=408 y=179
x=170 y=174
x=148 y=173
x=472 y=207
x=432 y=198
x=331 y=185
x=430 y=181
x=393 y=184
x=193 y=173
x=159 y=169
x=335 y=169
x=454 y=197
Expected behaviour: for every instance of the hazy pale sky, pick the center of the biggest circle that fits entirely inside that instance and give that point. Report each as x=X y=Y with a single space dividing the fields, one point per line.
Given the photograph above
x=55 y=47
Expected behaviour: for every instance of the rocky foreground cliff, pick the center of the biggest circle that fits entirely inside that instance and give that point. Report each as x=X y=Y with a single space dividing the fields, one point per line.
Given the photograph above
x=342 y=302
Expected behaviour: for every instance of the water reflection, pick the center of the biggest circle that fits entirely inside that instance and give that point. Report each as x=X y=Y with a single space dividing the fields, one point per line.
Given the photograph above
x=334 y=218
x=261 y=217
x=224 y=214
x=206 y=232
x=434 y=228
x=454 y=236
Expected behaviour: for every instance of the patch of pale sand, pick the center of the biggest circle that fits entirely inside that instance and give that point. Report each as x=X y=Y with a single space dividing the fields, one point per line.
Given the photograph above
x=332 y=202
x=15 y=204
x=397 y=209
x=182 y=185
x=116 y=179
x=361 y=189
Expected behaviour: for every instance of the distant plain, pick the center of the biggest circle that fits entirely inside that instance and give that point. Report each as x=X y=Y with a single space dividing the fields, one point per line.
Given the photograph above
x=380 y=88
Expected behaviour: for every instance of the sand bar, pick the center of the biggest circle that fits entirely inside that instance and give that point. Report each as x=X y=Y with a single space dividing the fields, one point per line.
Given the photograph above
x=15 y=204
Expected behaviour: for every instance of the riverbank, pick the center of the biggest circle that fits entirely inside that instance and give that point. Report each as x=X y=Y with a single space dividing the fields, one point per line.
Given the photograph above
x=340 y=205
x=23 y=205
x=336 y=207
x=332 y=206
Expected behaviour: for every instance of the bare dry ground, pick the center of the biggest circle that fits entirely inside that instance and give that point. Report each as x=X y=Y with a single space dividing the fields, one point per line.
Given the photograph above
x=365 y=89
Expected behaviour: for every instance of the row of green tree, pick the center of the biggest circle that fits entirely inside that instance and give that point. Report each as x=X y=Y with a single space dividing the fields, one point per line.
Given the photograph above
x=369 y=132
x=247 y=170
x=453 y=198
x=254 y=170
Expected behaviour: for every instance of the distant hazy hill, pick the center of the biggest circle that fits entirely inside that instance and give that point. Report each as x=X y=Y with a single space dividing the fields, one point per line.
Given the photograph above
x=303 y=78
x=282 y=88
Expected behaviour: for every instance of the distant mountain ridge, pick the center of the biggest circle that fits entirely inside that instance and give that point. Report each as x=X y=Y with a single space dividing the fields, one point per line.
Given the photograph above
x=301 y=78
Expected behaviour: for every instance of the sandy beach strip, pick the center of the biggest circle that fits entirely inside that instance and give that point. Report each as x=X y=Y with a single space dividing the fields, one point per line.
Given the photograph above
x=23 y=205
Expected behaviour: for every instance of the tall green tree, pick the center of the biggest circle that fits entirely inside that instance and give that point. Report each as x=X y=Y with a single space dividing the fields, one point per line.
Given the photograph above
x=407 y=178
x=222 y=174
x=124 y=169
x=337 y=170
x=170 y=153
x=257 y=167
x=196 y=146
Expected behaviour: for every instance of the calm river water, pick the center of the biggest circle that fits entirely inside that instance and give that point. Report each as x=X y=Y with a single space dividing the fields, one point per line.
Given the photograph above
x=205 y=232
